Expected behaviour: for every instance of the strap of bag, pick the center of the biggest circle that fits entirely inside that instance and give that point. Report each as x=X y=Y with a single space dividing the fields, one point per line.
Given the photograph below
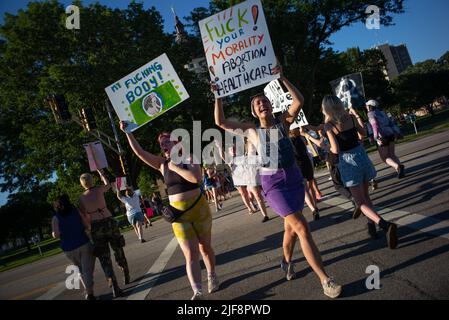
x=194 y=204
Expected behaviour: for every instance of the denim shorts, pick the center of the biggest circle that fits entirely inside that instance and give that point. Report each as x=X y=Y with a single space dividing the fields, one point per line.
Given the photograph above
x=135 y=217
x=355 y=167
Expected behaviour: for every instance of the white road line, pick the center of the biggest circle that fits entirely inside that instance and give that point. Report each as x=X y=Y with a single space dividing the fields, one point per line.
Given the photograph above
x=53 y=292
x=436 y=227
x=144 y=287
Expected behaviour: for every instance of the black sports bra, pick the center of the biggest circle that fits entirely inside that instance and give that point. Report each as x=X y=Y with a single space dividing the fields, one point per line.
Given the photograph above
x=347 y=139
x=175 y=183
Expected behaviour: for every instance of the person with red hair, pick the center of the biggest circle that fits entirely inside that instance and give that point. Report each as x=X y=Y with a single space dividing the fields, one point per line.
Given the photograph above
x=193 y=228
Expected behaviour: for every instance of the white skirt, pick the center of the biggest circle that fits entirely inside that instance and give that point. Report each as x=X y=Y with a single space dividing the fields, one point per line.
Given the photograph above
x=245 y=171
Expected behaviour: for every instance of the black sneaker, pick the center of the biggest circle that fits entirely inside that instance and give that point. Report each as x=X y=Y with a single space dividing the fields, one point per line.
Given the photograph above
x=372 y=231
x=392 y=238
x=90 y=297
x=356 y=213
x=401 y=172
x=142 y=241
x=265 y=219
x=316 y=215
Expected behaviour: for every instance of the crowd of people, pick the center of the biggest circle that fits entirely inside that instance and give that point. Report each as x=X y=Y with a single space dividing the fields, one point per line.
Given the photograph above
x=285 y=184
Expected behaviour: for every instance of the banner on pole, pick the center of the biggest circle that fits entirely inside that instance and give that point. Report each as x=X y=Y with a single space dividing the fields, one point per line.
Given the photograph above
x=96 y=156
x=147 y=92
x=238 y=48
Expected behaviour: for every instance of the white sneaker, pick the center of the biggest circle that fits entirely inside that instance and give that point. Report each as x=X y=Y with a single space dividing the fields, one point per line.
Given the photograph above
x=289 y=269
x=331 y=289
x=213 y=284
x=198 y=295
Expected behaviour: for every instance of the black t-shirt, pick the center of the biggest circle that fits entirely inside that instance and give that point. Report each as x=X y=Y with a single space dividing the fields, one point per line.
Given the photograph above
x=301 y=149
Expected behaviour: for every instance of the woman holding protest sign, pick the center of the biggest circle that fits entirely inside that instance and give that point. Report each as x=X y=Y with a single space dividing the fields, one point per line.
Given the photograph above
x=281 y=180
x=193 y=228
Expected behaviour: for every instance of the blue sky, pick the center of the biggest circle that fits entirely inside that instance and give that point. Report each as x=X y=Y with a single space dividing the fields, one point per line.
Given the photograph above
x=424 y=27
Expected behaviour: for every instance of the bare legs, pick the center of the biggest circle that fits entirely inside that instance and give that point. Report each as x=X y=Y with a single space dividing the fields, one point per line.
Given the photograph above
x=300 y=227
x=288 y=244
x=361 y=197
x=192 y=248
x=255 y=192
x=138 y=229
x=245 y=198
x=387 y=154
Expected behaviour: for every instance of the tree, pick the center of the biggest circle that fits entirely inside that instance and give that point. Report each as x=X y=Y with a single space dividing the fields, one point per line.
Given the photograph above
x=25 y=214
x=420 y=84
x=40 y=56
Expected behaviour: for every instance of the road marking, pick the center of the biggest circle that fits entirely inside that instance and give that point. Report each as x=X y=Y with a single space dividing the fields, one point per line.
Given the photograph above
x=53 y=292
x=145 y=285
x=436 y=227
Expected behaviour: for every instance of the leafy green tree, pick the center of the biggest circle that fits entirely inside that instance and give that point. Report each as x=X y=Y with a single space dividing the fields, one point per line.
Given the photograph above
x=421 y=84
x=25 y=214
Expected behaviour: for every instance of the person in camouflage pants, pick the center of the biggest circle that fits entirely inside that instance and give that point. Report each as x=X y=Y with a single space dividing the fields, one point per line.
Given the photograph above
x=104 y=229
x=106 y=233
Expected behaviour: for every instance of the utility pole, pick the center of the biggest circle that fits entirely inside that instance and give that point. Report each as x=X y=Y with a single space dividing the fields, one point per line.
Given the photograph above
x=121 y=154
x=62 y=115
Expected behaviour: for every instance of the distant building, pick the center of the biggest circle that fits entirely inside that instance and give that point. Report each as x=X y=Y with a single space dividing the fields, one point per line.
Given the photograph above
x=198 y=65
x=398 y=59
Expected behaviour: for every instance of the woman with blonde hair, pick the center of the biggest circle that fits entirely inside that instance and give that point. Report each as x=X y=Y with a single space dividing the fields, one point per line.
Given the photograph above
x=344 y=130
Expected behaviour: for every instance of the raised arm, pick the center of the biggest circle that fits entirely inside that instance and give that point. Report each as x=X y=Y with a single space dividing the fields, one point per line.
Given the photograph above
x=152 y=160
x=298 y=99
x=226 y=124
x=361 y=130
x=118 y=195
x=104 y=179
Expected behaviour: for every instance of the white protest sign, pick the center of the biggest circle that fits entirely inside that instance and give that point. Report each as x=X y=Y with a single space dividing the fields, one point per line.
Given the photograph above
x=350 y=90
x=281 y=101
x=238 y=48
x=96 y=156
x=147 y=92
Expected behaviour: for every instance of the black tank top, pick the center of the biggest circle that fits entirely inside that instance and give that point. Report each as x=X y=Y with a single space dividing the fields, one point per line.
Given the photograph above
x=175 y=183
x=347 y=139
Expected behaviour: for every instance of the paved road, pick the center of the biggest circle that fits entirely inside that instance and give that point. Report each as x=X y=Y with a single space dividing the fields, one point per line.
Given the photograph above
x=248 y=252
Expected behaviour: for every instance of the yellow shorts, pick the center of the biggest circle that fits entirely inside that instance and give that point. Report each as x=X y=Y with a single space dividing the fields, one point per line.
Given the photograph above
x=195 y=222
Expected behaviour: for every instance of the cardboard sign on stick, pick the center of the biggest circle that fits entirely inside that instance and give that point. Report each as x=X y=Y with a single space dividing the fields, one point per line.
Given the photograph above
x=350 y=90
x=96 y=156
x=147 y=92
x=281 y=101
x=238 y=48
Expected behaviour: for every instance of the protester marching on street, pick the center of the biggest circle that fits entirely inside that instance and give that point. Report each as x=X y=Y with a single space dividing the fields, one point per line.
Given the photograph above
x=193 y=228
x=104 y=229
x=281 y=182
